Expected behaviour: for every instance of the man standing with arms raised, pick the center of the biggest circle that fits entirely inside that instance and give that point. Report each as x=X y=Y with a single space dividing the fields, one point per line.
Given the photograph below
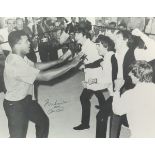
x=19 y=76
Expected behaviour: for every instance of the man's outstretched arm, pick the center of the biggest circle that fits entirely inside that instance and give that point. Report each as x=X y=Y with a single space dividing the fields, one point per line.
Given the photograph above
x=46 y=65
x=54 y=73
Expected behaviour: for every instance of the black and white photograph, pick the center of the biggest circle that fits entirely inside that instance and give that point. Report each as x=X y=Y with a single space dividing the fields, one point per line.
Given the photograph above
x=77 y=77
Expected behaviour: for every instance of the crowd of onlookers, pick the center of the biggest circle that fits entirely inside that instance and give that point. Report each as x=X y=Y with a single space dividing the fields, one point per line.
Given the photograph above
x=52 y=37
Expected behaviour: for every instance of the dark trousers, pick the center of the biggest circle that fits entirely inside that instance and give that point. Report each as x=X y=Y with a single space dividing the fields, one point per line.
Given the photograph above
x=20 y=112
x=116 y=121
x=102 y=118
x=115 y=125
x=85 y=102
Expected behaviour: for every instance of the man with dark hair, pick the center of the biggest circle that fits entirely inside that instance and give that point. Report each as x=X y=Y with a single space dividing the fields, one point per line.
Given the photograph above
x=21 y=25
x=107 y=42
x=122 y=50
x=106 y=49
x=19 y=76
x=141 y=47
x=140 y=111
x=93 y=76
x=122 y=47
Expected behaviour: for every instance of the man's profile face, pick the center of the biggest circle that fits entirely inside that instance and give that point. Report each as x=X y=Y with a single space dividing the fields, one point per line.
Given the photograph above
x=133 y=78
x=24 y=45
x=102 y=48
x=79 y=37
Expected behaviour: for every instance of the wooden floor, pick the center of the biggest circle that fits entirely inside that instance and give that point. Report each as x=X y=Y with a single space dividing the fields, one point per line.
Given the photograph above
x=60 y=100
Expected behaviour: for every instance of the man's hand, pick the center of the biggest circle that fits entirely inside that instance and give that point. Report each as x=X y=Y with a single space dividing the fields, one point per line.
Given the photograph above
x=75 y=62
x=82 y=67
x=84 y=84
x=82 y=56
x=118 y=84
x=136 y=32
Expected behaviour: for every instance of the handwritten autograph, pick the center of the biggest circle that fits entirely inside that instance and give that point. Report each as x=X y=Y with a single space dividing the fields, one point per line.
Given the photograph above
x=56 y=106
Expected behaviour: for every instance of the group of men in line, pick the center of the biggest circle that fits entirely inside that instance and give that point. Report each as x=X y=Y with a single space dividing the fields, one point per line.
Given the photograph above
x=125 y=67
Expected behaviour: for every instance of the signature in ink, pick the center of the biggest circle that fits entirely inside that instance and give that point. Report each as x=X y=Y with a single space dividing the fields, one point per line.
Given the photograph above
x=56 y=106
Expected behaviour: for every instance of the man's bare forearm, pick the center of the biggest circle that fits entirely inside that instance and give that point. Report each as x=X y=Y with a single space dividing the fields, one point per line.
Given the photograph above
x=46 y=65
x=53 y=73
x=150 y=43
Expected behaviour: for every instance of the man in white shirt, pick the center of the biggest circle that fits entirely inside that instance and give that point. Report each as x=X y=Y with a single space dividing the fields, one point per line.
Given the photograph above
x=121 y=46
x=106 y=49
x=122 y=39
x=19 y=76
x=93 y=76
x=138 y=103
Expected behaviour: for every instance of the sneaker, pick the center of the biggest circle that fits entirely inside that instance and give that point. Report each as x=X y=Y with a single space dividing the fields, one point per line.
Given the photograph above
x=81 y=127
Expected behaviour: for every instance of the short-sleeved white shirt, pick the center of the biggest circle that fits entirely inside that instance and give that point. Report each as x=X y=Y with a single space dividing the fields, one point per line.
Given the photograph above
x=19 y=76
x=139 y=105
